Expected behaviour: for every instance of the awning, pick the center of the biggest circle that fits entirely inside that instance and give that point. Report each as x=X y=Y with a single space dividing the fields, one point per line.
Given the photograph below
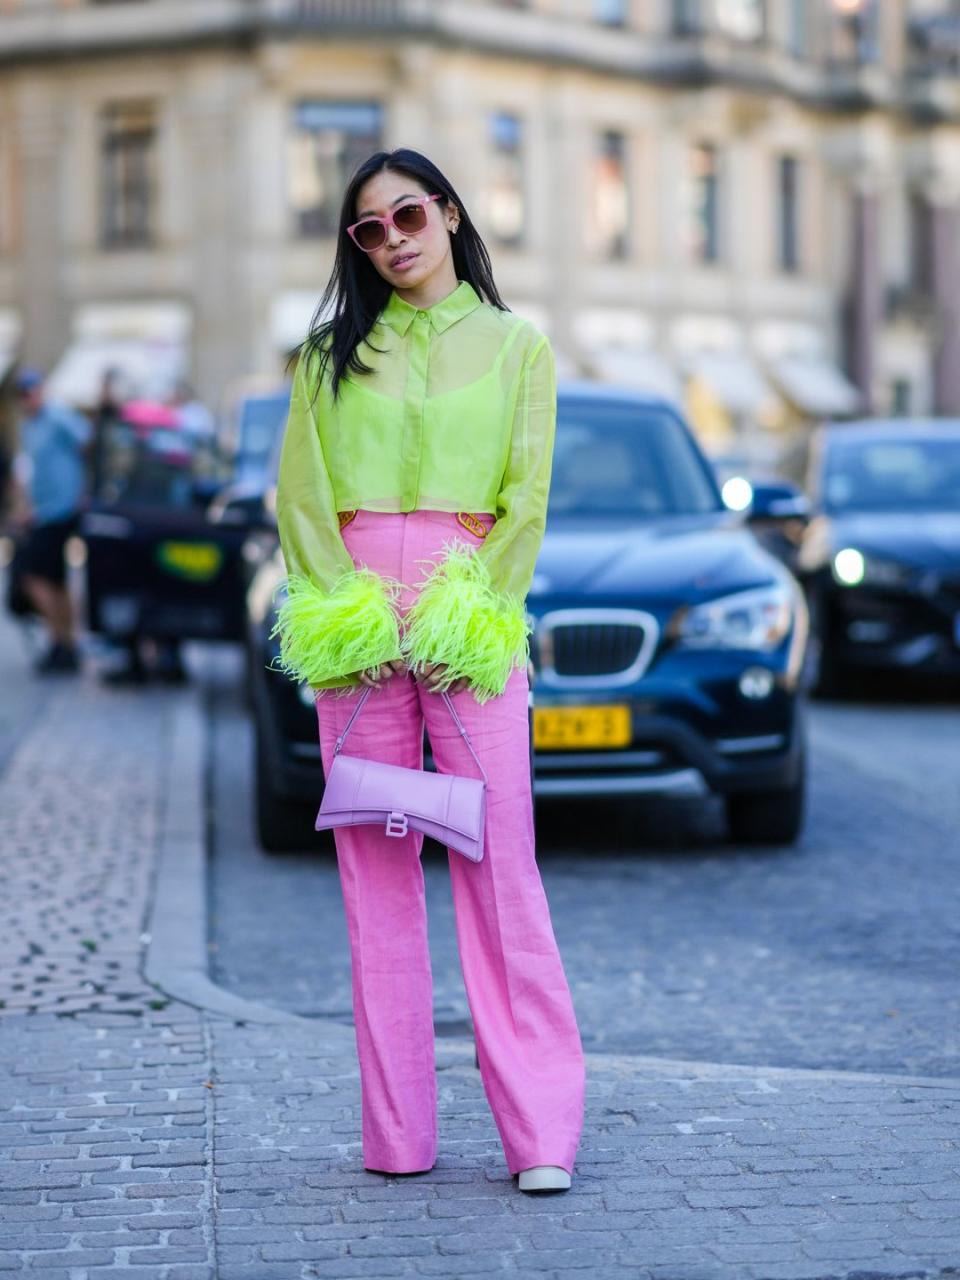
x=816 y=386
x=735 y=382
x=144 y=344
x=142 y=369
x=639 y=368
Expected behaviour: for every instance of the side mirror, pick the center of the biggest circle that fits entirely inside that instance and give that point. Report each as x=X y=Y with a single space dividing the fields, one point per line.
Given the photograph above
x=779 y=502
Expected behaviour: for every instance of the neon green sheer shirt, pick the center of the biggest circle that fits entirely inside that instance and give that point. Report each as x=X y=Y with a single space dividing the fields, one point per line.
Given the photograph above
x=458 y=414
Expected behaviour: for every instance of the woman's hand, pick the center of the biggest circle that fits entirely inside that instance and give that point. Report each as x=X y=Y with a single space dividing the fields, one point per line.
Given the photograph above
x=433 y=673
x=375 y=676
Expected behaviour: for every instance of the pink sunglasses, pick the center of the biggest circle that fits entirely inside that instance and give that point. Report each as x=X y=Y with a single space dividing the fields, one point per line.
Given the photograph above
x=371 y=233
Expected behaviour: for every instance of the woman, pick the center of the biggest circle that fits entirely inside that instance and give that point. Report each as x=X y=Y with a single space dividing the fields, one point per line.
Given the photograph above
x=411 y=504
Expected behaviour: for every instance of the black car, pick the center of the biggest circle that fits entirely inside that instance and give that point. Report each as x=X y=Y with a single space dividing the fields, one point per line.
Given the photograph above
x=880 y=559
x=667 y=644
x=160 y=561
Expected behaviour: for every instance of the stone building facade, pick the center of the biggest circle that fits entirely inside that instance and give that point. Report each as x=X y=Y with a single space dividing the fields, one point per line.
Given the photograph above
x=753 y=205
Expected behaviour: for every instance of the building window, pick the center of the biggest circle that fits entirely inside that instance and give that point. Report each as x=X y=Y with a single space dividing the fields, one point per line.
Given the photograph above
x=505 y=193
x=788 y=222
x=901 y=397
x=328 y=141
x=704 y=219
x=610 y=197
x=921 y=243
x=612 y=13
x=855 y=33
x=686 y=17
x=742 y=19
x=799 y=18
x=128 y=144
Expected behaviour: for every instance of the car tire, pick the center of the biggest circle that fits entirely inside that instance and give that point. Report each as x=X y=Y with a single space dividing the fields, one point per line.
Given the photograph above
x=767 y=817
x=283 y=826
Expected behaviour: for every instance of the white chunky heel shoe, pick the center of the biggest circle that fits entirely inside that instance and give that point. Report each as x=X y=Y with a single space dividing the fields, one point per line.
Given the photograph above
x=545 y=1177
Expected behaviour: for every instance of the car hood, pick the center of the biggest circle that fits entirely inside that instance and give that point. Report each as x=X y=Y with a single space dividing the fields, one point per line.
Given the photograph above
x=926 y=539
x=682 y=560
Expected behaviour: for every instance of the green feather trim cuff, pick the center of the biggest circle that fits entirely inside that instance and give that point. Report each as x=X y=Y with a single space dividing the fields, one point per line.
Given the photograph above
x=325 y=635
x=459 y=619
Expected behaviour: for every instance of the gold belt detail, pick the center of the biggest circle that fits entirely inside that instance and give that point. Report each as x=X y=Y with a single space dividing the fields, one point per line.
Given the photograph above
x=470 y=521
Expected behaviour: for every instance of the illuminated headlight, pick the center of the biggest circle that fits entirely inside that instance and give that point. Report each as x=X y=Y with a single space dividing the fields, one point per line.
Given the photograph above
x=757 y=619
x=737 y=493
x=851 y=568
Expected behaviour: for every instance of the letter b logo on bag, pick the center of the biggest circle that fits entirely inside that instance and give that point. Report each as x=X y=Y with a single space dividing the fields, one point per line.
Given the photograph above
x=396 y=823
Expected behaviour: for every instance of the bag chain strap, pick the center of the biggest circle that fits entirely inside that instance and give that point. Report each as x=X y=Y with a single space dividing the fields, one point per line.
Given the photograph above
x=453 y=711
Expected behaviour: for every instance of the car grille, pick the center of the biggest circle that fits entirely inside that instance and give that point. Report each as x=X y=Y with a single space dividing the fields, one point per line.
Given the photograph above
x=577 y=645
x=587 y=650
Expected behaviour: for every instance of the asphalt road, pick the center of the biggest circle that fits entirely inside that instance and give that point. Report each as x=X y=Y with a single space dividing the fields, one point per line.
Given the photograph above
x=841 y=952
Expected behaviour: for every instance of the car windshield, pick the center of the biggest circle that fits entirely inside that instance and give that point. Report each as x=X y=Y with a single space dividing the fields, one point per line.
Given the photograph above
x=893 y=475
x=624 y=460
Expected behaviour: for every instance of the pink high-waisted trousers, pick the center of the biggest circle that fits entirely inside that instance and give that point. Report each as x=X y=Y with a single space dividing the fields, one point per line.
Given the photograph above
x=528 y=1043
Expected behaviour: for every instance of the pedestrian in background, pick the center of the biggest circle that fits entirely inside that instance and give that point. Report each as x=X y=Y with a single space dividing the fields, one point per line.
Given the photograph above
x=50 y=474
x=421 y=433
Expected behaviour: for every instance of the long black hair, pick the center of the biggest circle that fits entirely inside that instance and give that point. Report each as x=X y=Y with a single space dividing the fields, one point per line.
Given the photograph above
x=359 y=290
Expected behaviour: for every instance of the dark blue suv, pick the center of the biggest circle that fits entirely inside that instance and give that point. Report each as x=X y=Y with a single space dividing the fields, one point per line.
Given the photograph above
x=667 y=646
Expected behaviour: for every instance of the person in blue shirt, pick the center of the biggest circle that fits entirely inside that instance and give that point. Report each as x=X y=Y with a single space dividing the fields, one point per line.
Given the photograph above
x=51 y=474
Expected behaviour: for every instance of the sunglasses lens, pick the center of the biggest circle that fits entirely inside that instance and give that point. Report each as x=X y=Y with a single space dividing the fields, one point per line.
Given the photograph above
x=370 y=235
x=411 y=218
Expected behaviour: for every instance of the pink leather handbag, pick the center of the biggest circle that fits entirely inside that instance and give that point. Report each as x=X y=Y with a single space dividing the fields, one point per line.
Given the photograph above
x=445 y=806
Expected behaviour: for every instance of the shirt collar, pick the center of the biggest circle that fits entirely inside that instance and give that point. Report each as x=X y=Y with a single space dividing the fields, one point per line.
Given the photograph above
x=399 y=314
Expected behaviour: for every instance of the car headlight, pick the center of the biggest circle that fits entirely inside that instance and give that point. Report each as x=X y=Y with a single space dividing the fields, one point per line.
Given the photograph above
x=737 y=493
x=852 y=568
x=755 y=619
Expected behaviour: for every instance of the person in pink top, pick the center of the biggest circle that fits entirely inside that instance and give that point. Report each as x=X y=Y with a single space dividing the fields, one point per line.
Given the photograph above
x=411 y=503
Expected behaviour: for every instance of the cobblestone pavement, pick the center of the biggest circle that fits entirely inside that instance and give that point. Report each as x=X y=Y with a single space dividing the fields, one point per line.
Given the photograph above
x=81 y=799
x=169 y=1143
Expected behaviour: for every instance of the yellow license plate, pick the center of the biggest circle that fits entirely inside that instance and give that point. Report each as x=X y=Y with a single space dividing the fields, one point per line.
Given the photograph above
x=196 y=561
x=559 y=728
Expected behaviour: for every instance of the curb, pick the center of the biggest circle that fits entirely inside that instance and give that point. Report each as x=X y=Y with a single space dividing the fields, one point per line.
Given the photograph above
x=683 y=1069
